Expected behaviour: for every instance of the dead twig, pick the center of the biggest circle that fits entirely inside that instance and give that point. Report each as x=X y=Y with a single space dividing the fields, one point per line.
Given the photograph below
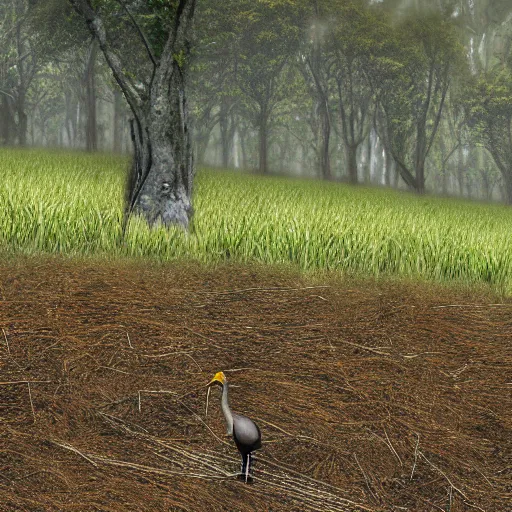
x=114 y=369
x=11 y=383
x=6 y=341
x=167 y=354
x=445 y=475
x=78 y=452
x=387 y=443
x=363 y=347
x=212 y=342
x=31 y=402
x=365 y=478
x=415 y=455
x=204 y=423
x=272 y=289
x=471 y=306
x=129 y=341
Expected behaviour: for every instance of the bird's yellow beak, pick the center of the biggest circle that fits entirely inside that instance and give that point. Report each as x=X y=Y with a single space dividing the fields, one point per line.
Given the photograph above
x=218 y=378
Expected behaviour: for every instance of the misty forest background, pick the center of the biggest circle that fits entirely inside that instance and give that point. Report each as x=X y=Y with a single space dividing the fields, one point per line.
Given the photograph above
x=378 y=92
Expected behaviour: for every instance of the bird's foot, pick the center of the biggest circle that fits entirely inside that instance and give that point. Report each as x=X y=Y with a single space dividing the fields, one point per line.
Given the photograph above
x=248 y=479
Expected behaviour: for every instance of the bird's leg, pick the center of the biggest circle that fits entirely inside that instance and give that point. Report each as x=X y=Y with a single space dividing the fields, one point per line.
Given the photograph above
x=247 y=467
x=244 y=464
x=245 y=471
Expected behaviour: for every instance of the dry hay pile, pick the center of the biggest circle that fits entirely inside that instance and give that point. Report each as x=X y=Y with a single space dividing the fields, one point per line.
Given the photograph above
x=369 y=396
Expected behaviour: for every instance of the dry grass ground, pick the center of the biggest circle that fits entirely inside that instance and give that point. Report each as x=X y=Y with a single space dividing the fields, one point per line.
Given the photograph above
x=370 y=396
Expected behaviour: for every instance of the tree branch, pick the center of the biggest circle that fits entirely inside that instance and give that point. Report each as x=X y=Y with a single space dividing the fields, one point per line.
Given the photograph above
x=139 y=30
x=97 y=29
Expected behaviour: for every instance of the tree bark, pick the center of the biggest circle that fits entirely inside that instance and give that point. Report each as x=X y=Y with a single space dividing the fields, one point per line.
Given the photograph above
x=161 y=183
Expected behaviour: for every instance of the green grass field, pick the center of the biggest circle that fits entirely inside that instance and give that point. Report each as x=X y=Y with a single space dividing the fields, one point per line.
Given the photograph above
x=71 y=203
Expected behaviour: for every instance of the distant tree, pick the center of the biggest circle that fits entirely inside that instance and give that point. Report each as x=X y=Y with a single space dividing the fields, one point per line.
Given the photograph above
x=354 y=40
x=411 y=79
x=315 y=64
x=147 y=46
x=19 y=64
x=489 y=114
x=215 y=94
x=267 y=37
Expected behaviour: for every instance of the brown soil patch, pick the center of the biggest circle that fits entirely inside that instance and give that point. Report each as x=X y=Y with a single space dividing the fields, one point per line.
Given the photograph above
x=369 y=396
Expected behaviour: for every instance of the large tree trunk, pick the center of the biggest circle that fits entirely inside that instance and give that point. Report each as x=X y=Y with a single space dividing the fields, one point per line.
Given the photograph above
x=161 y=184
x=91 y=135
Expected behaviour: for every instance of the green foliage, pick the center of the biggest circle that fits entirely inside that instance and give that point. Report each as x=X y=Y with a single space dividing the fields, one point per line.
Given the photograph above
x=411 y=74
x=488 y=107
x=71 y=203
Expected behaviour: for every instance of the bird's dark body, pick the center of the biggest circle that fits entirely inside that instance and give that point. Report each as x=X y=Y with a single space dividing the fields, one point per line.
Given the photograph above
x=247 y=437
x=246 y=434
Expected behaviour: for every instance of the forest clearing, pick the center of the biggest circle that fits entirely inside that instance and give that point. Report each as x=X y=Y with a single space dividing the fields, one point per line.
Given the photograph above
x=298 y=197
x=370 y=395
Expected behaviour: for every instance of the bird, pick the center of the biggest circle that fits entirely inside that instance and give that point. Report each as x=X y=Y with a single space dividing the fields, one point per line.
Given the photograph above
x=245 y=432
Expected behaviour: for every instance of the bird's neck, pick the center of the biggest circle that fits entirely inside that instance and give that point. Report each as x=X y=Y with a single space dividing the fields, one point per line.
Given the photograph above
x=226 y=410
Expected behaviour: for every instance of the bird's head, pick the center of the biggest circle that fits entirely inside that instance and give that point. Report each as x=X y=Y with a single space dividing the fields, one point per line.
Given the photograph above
x=219 y=378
